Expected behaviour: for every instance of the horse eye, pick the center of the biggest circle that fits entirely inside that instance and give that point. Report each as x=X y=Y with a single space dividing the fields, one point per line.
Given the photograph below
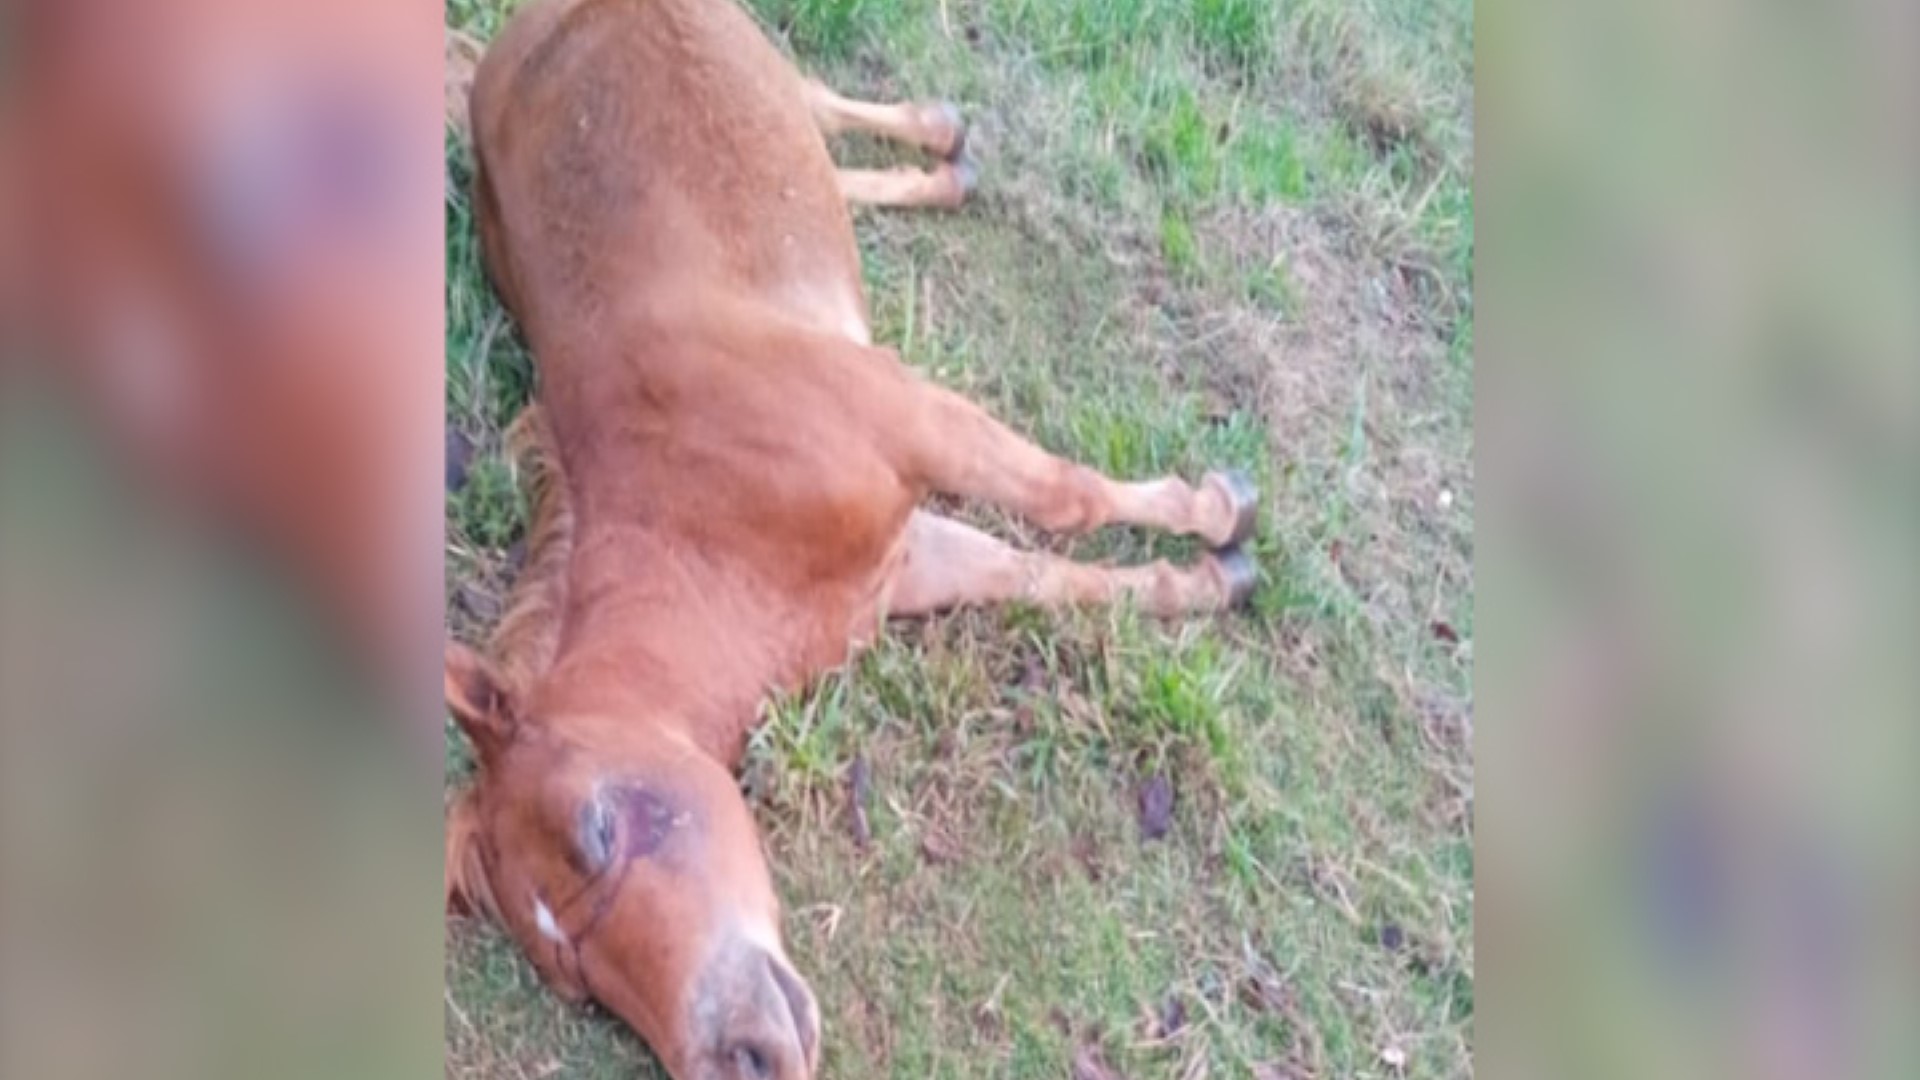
x=598 y=832
x=751 y=1063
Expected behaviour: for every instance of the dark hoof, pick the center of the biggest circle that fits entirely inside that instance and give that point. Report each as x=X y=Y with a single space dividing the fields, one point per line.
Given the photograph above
x=949 y=115
x=1244 y=498
x=966 y=178
x=1238 y=573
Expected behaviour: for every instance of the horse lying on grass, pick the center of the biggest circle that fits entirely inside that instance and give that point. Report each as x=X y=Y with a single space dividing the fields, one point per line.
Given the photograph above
x=731 y=480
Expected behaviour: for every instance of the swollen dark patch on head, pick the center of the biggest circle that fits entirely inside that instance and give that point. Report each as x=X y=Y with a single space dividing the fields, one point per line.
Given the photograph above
x=622 y=823
x=619 y=826
x=648 y=820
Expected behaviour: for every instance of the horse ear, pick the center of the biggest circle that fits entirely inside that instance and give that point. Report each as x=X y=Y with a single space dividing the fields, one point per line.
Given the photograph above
x=477 y=700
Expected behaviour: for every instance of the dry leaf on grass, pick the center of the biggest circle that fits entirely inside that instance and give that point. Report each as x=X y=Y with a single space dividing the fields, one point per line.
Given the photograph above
x=859 y=781
x=1156 y=807
x=1090 y=1064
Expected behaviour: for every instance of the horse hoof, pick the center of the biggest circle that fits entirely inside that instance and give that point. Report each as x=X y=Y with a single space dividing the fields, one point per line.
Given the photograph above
x=947 y=115
x=966 y=177
x=1243 y=498
x=1238 y=573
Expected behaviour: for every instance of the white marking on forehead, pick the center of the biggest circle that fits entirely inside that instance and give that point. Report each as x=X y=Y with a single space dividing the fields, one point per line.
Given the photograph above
x=544 y=921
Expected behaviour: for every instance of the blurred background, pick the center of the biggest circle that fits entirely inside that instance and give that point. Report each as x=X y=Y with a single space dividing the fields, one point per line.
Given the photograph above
x=219 y=541
x=1699 y=376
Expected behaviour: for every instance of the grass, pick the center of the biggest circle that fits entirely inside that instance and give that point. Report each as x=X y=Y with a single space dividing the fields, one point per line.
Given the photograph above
x=1210 y=232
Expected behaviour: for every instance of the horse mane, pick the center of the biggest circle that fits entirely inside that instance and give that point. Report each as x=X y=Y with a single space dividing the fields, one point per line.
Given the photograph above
x=525 y=642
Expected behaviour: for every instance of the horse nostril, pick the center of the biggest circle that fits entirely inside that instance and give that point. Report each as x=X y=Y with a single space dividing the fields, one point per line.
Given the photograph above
x=752 y=1063
x=800 y=1006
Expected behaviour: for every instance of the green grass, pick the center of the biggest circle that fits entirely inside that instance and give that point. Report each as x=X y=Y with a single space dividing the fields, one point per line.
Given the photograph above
x=1210 y=233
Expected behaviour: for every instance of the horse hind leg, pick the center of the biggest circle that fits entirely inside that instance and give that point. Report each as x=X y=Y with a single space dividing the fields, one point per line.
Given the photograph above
x=964 y=451
x=933 y=126
x=946 y=186
x=949 y=565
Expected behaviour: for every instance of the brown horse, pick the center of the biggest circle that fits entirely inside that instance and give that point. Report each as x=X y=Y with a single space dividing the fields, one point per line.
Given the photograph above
x=732 y=476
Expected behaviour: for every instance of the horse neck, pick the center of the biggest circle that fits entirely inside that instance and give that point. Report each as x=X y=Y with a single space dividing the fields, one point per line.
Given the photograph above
x=651 y=636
